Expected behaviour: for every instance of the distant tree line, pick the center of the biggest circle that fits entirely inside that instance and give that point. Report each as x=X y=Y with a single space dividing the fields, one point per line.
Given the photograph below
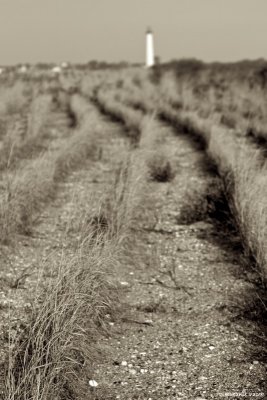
x=254 y=70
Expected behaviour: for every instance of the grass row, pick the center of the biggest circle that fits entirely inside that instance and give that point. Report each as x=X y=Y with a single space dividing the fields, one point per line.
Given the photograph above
x=26 y=136
x=33 y=130
x=243 y=169
x=112 y=106
x=25 y=191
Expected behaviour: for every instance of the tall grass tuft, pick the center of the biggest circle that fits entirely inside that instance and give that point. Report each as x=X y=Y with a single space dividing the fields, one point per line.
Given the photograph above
x=52 y=360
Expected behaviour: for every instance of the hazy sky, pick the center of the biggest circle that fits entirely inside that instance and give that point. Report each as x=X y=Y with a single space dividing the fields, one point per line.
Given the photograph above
x=114 y=30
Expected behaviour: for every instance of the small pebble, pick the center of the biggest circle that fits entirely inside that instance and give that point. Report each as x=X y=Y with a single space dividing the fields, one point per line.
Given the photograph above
x=148 y=321
x=143 y=371
x=93 y=383
x=202 y=378
x=132 y=371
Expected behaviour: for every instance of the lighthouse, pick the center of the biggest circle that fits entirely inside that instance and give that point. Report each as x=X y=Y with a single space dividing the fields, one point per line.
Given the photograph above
x=150 y=59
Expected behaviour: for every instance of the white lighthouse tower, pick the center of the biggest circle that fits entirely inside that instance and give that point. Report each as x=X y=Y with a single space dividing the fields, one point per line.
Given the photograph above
x=150 y=59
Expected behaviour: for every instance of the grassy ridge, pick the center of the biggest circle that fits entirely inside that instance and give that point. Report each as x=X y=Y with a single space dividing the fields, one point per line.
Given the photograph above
x=242 y=167
x=244 y=171
x=26 y=136
x=109 y=105
x=25 y=191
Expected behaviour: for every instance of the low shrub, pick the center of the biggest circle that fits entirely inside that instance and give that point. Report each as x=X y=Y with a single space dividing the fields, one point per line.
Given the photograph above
x=160 y=168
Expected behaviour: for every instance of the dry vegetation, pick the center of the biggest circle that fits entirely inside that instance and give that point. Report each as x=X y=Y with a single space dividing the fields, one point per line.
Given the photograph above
x=177 y=98
x=213 y=105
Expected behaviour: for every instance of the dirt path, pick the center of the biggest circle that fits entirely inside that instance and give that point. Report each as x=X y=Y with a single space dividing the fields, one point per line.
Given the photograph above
x=186 y=328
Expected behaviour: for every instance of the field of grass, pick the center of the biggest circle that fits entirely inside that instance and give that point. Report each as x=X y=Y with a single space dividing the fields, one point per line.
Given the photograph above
x=89 y=148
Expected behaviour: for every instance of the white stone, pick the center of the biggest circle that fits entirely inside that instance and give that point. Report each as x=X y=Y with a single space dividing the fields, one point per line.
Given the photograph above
x=93 y=383
x=132 y=371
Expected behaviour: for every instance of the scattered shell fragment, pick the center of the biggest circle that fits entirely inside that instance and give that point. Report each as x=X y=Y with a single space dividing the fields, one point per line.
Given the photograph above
x=123 y=283
x=93 y=383
x=132 y=371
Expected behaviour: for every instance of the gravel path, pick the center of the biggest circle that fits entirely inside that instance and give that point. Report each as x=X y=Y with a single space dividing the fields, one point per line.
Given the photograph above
x=184 y=330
